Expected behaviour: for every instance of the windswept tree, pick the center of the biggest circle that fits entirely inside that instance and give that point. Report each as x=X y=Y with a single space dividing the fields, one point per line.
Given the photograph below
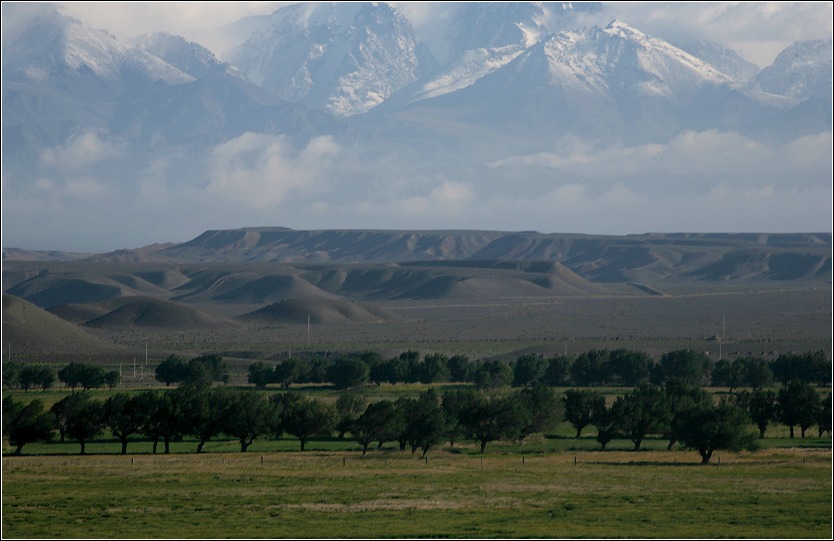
x=81 y=417
x=557 y=373
x=798 y=404
x=460 y=368
x=302 y=417
x=377 y=423
x=542 y=410
x=124 y=415
x=680 y=395
x=641 y=412
x=606 y=422
x=761 y=405
x=25 y=424
x=32 y=376
x=202 y=411
x=425 y=421
x=287 y=372
x=580 y=405
x=486 y=418
x=248 y=415
x=709 y=428
x=162 y=418
x=435 y=368
x=349 y=406
x=824 y=415
x=591 y=368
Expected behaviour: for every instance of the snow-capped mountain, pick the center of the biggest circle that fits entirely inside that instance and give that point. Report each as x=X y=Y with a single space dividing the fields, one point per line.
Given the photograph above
x=188 y=57
x=801 y=71
x=727 y=61
x=343 y=58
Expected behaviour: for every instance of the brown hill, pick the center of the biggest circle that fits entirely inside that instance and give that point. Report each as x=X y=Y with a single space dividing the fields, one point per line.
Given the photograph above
x=31 y=330
x=319 y=311
x=154 y=313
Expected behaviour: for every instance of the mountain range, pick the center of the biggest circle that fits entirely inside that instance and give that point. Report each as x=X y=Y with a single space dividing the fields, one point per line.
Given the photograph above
x=314 y=82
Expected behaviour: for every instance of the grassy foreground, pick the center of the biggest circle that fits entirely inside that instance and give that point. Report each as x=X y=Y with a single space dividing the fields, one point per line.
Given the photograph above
x=775 y=493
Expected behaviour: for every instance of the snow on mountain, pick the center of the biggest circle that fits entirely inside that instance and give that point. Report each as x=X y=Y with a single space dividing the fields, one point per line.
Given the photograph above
x=190 y=58
x=727 y=61
x=344 y=58
x=801 y=71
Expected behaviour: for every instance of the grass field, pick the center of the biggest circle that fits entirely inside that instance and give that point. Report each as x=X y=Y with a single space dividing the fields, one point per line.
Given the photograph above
x=776 y=493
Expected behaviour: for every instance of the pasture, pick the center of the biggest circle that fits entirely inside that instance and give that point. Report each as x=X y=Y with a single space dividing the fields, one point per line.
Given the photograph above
x=270 y=493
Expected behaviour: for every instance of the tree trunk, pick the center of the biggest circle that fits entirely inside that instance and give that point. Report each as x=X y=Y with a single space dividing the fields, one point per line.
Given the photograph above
x=483 y=446
x=303 y=442
x=791 y=431
x=705 y=456
x=167 y=441
x=364 y=448
x=82 y=446
x=18 y=450
x=672 y=443
x=244 y=445
x=578 y=432
x=124 y=445
x=155 y=441
x=200 y=446
x=637 y=444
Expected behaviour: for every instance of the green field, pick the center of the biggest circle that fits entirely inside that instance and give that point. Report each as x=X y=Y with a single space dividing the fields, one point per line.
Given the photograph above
x=776 y=493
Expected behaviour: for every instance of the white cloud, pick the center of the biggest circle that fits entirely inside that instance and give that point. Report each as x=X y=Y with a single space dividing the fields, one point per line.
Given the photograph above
x=82 y=150
x=262 y=171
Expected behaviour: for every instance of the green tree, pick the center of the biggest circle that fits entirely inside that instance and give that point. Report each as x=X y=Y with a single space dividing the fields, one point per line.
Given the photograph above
x=487 y=418
x=248 y=415
x=435 y=368
x=349 y=406
x=491 y=374
x=201 y=411
x=641 y=412
x=558 y=371
x=630 y=368
x=377 y=423
x=824 y=415
x=798 y=404
x=529 y=370
x=347 y=372
x=11 y=373
x=260 y=375
x=606 y=423
x=425 y=421
x=287 y=372
x=580 y=405
x=760 y=405
x=303 y=418
x=757 y=372
x=708 y=428
x=728 y=373
x=171 y=370
x=124 y=414
x=205 y=369
x=591 y=368
x=460 y=368
x=71 y=374
x=25 y=424
x=680 y=395
x=162 y=420
x=36 y=376
x=82 y=417
x=542 y=410
x=684 y=364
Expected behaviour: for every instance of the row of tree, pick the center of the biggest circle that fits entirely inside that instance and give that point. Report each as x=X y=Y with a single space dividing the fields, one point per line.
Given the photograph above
x=619 y=367
x=601 y=367
x=680 y=411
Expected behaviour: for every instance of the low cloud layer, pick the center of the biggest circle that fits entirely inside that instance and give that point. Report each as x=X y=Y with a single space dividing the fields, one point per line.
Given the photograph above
x=700 y=181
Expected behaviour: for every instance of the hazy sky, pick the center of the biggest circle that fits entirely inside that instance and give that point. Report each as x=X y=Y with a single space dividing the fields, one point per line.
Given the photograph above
x=698 y=181
x=758 y=30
